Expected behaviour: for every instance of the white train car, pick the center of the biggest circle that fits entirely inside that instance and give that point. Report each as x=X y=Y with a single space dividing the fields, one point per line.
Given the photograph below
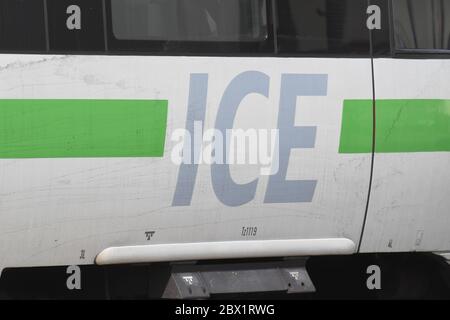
x=140 y=131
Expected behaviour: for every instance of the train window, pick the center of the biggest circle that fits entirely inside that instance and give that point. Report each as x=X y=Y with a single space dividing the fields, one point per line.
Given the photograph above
x=421 y=24
x=329 y=27
x=22 y=25
x=211 y=26
x=189 y=20
x=75 y=25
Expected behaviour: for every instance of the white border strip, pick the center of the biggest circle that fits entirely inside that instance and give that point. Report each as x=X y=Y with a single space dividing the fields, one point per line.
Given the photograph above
x=224 y=250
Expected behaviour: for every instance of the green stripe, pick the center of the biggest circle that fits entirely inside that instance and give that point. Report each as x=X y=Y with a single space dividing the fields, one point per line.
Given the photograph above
x=356 y=129
x=401 y=126
x=82 y=128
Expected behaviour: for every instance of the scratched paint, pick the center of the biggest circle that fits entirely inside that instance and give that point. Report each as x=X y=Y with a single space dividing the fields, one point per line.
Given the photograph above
x=96 y=202
x=82 y=128
x=403 y=125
